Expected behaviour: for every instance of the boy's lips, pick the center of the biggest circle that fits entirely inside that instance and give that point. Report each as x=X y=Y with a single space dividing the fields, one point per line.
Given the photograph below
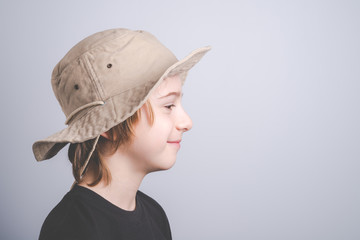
x=175 y=143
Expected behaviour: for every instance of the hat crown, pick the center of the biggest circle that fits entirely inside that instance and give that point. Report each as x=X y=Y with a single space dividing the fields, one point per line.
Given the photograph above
x=106 y=64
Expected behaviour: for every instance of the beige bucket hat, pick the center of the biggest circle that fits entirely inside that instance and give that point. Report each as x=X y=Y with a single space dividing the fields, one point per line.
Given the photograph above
x=106 y=78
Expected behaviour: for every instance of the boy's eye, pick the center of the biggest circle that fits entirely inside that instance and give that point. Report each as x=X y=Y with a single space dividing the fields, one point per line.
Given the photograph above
x=170 y=106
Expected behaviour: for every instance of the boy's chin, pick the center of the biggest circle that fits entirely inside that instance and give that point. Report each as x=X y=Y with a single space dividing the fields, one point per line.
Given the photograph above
x=164 y=166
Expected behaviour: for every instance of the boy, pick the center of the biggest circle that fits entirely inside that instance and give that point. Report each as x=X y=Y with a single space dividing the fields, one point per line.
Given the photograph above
x=121 y=93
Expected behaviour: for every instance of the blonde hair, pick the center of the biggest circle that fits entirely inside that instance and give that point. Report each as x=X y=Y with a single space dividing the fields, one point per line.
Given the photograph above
x=118 y=135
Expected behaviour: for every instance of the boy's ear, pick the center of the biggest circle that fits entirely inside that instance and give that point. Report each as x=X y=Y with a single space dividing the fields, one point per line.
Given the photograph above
x=105 y=135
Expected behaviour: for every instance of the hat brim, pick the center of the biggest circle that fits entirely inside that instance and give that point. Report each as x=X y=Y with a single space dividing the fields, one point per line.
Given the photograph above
x=116 y=109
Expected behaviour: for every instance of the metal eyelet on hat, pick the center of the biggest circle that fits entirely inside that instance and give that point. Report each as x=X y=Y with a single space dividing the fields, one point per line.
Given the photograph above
x=109 y=65
x=76 y=87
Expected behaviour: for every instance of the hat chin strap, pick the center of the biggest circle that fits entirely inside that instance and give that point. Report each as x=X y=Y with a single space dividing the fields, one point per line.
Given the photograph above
x=83 y=168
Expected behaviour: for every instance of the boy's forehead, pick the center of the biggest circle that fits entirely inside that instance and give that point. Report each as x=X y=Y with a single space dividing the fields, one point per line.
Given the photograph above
x=169 y=85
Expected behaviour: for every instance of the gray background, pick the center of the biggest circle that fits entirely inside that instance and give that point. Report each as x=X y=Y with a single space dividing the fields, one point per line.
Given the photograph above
x=274 y=151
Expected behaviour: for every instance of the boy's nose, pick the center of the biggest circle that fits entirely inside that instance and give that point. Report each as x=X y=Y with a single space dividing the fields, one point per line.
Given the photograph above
x=184 y=122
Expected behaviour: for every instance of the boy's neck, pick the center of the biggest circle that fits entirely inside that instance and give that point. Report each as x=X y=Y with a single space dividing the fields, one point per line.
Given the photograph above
x=123 y=186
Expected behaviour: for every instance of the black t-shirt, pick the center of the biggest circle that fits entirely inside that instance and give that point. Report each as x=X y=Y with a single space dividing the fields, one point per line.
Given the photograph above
x=83 y=214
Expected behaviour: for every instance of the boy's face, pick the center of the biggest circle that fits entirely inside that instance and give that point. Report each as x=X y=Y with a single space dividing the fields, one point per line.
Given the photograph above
x=155 y=146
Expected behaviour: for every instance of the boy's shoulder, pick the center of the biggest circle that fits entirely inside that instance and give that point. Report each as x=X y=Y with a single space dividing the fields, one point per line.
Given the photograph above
x=68 y=219
x=151 y=207
x=141 y=196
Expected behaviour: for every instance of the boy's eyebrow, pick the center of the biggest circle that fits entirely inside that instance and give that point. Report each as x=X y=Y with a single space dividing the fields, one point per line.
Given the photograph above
x=177 y=94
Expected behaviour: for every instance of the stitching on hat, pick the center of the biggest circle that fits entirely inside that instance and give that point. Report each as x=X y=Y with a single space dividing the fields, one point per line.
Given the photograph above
x=60 y=83
x=89 y=49
x=95 y=80
x=91 y=71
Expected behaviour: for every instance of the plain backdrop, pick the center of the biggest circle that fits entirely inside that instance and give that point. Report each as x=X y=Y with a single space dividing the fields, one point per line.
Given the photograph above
x=274 y=151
